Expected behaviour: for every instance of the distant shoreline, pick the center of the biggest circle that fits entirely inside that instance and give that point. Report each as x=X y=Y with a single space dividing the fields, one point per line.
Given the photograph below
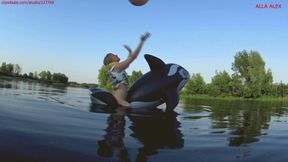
x=233 y=98
x=69 y=84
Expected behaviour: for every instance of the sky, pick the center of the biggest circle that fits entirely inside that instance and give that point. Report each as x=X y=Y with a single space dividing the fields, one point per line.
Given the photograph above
x=73 y=36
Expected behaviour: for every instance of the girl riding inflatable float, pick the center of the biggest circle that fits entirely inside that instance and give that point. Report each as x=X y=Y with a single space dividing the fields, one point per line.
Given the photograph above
x=161 y=84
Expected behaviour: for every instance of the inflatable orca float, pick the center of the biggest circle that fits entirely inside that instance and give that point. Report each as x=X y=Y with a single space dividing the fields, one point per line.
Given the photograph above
x=161 y=85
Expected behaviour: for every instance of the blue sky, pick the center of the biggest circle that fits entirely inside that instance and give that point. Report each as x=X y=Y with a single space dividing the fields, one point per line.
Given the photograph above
x=203 y=36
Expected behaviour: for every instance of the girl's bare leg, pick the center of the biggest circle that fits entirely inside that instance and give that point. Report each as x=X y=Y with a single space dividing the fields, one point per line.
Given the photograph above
x=120 y=95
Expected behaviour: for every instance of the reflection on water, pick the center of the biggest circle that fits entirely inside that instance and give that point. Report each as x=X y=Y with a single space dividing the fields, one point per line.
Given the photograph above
x=204 y=122
x=203 y=129
x=157 y=130
x=160 y=131
x=245 y=121
x=113 y=144
x=67 y=96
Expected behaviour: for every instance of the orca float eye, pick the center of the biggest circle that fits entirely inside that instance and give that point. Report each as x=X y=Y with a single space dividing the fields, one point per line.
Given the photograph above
x=184 y=73
x=173 y=70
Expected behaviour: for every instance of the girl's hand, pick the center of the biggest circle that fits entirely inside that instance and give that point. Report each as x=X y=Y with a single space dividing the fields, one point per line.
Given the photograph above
x=145 y=36
x=128 y=49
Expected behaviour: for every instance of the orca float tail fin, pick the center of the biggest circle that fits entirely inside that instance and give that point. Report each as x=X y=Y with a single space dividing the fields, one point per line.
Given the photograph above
x=100 y=96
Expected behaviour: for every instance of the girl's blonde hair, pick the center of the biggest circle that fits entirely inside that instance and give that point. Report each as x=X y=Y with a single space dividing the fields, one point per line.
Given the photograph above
x=107 y=60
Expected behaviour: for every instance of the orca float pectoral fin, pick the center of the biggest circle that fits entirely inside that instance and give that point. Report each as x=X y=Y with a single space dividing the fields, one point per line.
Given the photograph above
x=171 y=98
x=154 y=62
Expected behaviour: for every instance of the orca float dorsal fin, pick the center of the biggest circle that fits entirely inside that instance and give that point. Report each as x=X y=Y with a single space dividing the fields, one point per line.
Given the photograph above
x=154 y=62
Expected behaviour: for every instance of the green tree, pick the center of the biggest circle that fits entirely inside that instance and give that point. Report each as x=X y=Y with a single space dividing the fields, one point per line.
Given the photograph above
x=281 y=90
x=3 y=67
x=267 y=84
x=31 y=75
x=195 y=85
x=241 y=64
x=7 y=68
x=48 y=75
x=59 y=78
x=256 y=68
x=237 y=88
x=135 y=75
x=43 y=75
x=103 y=79
x=17 y=69
x=35 y=75
x=252 y=90
x=221 y=81
x=251 y=68
x=25 y=75
x=212 y=90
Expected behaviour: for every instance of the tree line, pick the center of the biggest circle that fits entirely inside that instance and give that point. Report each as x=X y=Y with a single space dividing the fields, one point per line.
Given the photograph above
x=250 y=79
x=15 y=71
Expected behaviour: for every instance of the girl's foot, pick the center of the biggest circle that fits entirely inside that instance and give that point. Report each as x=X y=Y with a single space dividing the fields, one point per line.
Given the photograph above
x=124 y=104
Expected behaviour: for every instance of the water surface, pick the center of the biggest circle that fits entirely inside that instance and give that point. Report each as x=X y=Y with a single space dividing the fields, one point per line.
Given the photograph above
x=45 y=123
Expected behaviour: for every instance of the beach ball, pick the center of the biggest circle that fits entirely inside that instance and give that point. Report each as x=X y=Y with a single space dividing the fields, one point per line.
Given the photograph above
x=138 y=2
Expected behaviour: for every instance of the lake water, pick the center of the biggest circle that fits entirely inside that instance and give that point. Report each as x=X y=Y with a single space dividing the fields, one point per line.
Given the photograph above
x=46 y=123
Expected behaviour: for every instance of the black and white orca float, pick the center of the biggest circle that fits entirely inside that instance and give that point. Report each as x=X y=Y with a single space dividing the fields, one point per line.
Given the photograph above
x=161 y=85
